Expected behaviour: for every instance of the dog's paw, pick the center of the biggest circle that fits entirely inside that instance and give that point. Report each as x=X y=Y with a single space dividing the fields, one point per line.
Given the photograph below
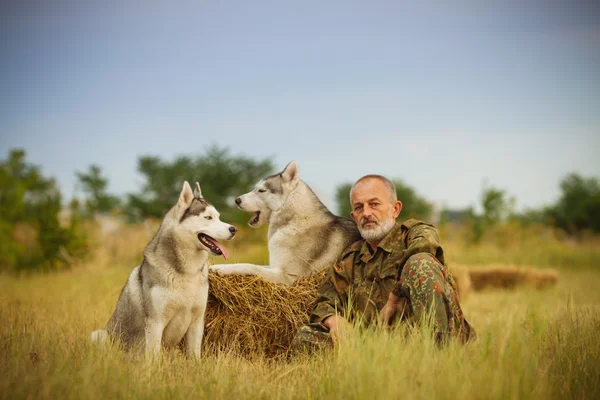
x=221 y=269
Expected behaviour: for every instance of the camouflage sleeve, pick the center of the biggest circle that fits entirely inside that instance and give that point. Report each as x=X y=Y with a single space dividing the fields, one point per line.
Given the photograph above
x=333 y=295
x=422 y=238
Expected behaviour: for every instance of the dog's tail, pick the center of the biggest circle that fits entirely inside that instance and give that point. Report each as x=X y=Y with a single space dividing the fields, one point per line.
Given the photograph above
x=100 y=336
x=501 y=276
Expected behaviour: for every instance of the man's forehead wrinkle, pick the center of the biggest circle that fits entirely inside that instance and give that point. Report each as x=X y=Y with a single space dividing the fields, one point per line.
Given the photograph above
x=366 y=201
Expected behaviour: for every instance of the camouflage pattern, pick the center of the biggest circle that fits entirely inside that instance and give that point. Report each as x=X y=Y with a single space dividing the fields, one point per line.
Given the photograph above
x=408 y=262
x=311 y=337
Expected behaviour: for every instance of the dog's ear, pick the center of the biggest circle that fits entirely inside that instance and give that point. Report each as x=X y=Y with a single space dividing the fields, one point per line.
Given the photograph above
x=290 y=173
x=197 y=191
x=185 y=197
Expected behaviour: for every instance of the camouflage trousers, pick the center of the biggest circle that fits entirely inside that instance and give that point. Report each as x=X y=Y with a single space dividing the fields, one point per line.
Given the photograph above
x=432 y=299
x=311 y=337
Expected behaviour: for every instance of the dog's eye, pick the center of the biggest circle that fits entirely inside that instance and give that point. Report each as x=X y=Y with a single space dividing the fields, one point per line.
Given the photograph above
x=208 y=217
x=261 y=190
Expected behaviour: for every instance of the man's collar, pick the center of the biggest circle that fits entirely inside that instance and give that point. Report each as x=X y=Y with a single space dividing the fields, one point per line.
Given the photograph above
x=386 y=243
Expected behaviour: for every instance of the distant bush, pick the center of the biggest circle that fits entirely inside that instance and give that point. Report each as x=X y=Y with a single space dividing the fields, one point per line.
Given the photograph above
x=578 y=208
x=31 y=235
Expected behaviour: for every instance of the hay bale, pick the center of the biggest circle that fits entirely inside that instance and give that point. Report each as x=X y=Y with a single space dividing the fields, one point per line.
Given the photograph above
x=251 y=317
x=509 y=276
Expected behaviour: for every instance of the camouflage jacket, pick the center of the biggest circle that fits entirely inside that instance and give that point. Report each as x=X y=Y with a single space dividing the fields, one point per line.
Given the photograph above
x=370 y=275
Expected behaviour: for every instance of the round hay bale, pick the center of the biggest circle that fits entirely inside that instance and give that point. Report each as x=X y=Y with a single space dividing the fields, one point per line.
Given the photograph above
x=252 y=317
x=511 y=276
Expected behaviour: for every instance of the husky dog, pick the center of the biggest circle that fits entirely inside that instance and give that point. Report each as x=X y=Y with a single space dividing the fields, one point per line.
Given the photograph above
x=164 y=299
x=304 y=236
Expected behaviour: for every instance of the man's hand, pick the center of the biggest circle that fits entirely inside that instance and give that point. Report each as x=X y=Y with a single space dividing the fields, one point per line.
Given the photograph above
x=390 y=309
x=336 y=324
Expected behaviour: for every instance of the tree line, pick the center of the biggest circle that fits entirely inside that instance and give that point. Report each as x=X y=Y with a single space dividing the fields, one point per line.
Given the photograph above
x=33 y=236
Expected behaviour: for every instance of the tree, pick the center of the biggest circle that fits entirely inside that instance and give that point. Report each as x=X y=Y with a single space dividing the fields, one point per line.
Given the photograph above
x=342 y=198
x=221 y=175
x=31 y=236
x=413 y=205
x=578 y=207
x=496 y=205
x=457 y=215
x=94 y=185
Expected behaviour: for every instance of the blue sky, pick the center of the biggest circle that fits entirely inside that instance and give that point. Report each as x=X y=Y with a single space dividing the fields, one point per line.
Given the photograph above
x=443 y=95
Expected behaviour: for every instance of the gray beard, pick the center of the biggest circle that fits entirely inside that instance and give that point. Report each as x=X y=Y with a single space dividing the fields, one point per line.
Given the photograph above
x=378 y=232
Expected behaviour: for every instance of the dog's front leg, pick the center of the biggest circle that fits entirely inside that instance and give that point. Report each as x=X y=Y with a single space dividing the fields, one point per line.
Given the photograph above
x=154 y=331
x=273 y=274
x=193 y=338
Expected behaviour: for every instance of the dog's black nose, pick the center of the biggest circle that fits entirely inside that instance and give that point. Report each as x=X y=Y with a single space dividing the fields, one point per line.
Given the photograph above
x=232 y=229
x=238 y=201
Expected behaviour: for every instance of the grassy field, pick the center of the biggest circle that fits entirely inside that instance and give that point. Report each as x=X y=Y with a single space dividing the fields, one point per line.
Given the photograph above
x=532 y=344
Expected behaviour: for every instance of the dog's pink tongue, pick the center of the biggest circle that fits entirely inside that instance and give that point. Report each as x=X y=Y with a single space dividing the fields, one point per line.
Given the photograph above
x=223 y=249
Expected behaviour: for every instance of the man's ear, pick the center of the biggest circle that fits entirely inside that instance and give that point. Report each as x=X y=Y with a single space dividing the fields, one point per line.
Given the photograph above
x=198 y=191
x=185 y=198
x=290 y=174
x=396 y=208
x=355 y=219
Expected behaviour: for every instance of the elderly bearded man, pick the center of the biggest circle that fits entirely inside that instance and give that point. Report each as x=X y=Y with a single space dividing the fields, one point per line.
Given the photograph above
x=395 y=271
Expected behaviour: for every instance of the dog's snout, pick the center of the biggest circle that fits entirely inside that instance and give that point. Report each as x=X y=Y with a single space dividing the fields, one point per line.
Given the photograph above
x=238 y=201
x=232 y=229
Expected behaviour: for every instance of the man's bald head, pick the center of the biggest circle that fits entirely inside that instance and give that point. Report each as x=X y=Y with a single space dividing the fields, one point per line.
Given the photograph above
x=388 y=184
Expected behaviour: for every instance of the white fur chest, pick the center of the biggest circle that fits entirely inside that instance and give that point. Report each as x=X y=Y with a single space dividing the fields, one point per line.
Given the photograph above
x=180 y=305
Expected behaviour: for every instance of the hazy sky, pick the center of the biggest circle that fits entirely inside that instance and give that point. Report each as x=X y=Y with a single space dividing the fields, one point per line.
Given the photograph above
x=443 y=95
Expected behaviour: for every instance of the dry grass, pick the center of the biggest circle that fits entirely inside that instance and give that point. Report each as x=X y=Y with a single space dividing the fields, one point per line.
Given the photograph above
x=532 y=343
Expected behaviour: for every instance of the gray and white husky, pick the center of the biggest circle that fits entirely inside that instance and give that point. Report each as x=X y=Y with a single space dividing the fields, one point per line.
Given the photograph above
x=164 y=299
x=304 y=236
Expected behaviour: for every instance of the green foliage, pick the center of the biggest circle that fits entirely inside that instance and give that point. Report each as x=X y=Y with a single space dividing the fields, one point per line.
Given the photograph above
x=413 y=205
x=496 y=205
x=578 y=207
x=458 y=215
x=222 y=177
x=31 y=236
x=94 y=185
x=342 y=198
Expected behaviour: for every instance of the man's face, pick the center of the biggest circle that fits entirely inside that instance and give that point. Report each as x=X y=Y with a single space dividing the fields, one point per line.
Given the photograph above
x=373 y=210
